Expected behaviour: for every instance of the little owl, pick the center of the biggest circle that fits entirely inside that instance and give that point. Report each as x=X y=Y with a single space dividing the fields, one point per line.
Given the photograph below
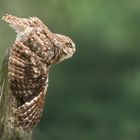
x=36 y=48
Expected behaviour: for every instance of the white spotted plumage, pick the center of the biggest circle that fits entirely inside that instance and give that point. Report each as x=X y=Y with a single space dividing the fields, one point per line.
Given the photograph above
x=36 y=48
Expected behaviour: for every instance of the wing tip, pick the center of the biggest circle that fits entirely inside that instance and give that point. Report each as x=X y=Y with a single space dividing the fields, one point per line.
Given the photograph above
x=7 y=17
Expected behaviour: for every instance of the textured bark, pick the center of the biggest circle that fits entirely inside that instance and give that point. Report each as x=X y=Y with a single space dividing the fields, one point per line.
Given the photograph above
x=8 y=125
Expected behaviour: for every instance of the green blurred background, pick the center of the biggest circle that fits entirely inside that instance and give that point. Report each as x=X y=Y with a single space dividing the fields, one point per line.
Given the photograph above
x=96 y=94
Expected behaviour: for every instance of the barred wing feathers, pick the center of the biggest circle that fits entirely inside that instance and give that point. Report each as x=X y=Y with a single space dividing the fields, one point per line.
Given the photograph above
x=28 y=79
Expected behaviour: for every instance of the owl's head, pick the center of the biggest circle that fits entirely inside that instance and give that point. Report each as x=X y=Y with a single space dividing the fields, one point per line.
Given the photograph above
x=65 y=45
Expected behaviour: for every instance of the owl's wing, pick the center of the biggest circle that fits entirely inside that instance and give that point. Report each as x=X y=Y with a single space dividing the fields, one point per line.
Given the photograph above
x=28 y=79
x=30 y=113
x=18 y=24
x=27 y=74
x=21 y=24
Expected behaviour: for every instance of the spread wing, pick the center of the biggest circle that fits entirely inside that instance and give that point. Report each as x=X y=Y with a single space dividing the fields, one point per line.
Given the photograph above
x=21 y=24
x=28 y=79
x=27 y=74
x=29 y=61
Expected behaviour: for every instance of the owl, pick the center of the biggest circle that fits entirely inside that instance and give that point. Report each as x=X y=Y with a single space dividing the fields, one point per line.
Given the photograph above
x=35 y=49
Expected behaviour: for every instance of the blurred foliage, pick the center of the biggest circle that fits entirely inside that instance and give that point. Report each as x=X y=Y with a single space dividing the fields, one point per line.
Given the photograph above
x=96 y=94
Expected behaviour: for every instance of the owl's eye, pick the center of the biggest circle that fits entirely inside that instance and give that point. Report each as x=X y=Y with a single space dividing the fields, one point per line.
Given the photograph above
x=69 y=45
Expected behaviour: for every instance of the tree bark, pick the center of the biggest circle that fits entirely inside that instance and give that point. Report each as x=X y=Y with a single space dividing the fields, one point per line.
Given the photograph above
x=9 y=130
